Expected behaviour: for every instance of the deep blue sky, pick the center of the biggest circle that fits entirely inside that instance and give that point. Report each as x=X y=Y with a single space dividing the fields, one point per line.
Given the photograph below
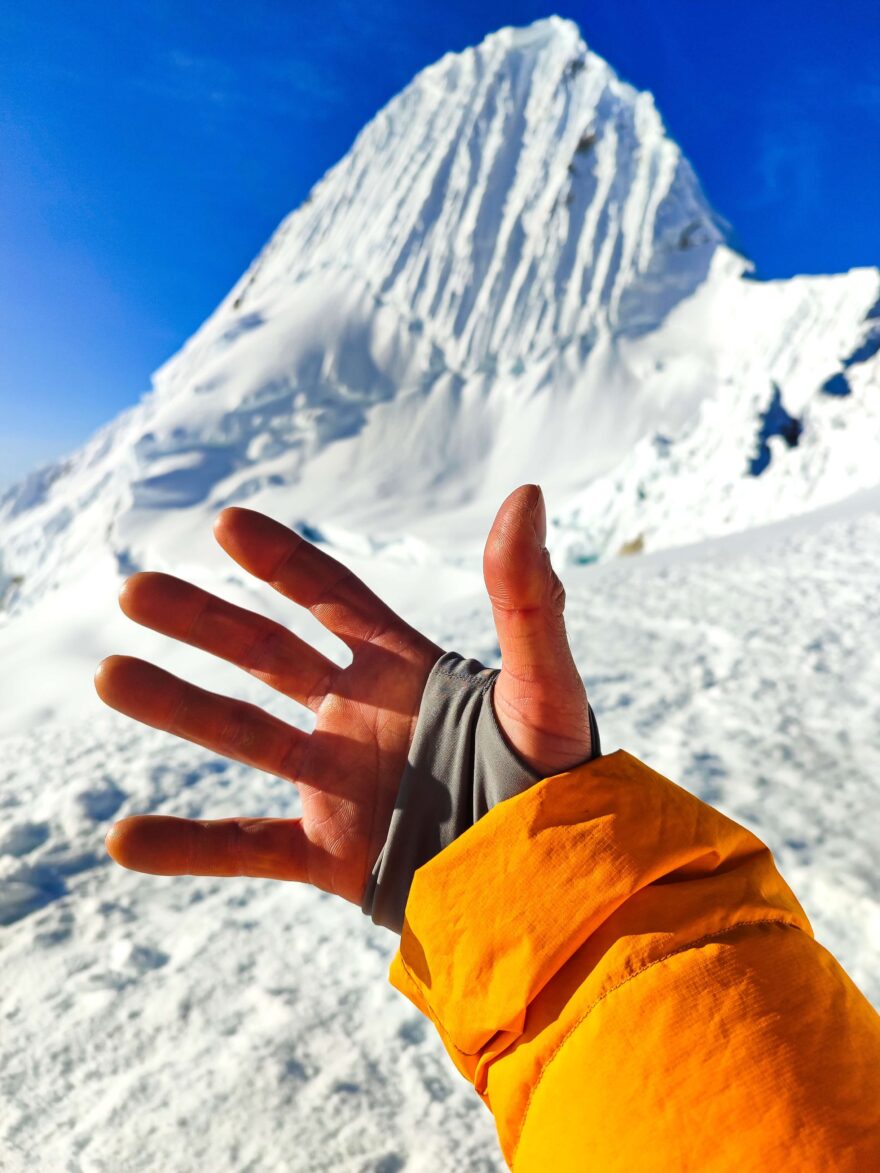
x=148 y=149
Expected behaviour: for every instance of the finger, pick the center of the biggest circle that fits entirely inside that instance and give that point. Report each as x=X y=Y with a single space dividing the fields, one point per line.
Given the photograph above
x=276 y=849
x=260 y=646
x=300 y=571
x=527 y=597
x=230 y=727
x=539 y=697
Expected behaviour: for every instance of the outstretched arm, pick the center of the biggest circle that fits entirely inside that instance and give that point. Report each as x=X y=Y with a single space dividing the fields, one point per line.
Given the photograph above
x=618 y=968
x=629 y=984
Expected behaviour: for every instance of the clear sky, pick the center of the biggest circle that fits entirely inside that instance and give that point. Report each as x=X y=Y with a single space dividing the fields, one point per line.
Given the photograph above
x=148 y=148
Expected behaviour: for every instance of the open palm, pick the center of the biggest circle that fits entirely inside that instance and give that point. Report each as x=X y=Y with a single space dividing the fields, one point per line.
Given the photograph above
x=349 y=768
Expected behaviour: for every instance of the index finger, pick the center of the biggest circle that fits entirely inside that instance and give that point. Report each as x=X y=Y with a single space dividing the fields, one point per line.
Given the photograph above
x=300 y=571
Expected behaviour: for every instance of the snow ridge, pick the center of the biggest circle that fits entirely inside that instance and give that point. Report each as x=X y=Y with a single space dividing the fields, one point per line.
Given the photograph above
x=513 y=275
x=510 y=198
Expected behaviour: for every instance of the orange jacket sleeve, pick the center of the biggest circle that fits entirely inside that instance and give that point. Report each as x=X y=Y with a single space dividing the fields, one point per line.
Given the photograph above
x=628 y=982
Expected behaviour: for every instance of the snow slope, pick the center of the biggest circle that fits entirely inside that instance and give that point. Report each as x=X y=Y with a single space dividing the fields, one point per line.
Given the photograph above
x=512 y=276
x=188 y=1024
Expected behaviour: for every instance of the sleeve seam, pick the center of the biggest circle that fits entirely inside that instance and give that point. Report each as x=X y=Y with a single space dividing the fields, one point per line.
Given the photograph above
x=778 y=923
x=468 y=681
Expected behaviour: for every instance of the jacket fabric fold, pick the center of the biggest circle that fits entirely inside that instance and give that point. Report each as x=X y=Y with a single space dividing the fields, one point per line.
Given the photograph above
x=629 y=983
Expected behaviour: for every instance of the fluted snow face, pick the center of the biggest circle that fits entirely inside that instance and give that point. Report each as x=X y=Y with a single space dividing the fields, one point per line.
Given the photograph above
x=513 y=196
x=512 y=276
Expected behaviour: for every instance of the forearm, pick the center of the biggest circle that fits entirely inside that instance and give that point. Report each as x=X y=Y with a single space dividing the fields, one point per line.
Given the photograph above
x=629 y=983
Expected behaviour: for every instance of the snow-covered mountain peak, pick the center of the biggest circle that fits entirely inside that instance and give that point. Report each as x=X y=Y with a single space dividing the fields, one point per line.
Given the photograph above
x=511 y=197
x=513 y=275
x=537 y=34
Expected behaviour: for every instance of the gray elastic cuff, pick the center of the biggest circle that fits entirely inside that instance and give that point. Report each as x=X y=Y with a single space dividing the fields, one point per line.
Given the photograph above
x=459 y=766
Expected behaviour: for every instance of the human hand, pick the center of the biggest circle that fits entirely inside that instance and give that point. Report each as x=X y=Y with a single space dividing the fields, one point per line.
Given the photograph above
x=349 y=768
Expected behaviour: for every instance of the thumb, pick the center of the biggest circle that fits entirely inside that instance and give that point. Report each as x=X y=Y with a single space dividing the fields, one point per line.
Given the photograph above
x=539 y=697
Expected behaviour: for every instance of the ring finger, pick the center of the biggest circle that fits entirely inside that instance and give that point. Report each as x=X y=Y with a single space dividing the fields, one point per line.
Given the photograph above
x=260 y=646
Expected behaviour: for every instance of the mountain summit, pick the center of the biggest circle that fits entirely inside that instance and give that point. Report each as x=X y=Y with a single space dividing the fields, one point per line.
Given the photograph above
x=514 y=199
x=512 y=275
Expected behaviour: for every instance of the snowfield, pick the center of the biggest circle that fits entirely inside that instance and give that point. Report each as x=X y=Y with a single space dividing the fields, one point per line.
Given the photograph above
x=198 y=1024
x=512 y=276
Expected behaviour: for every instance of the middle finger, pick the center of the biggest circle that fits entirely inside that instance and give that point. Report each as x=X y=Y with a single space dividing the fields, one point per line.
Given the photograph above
x=260 y=646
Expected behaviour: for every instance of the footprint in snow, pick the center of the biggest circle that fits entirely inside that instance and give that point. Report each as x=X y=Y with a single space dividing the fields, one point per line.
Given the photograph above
x=102 y=801
x=412 y=1032
x=28 y=889
x=392 y=1163
x=23 y=838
